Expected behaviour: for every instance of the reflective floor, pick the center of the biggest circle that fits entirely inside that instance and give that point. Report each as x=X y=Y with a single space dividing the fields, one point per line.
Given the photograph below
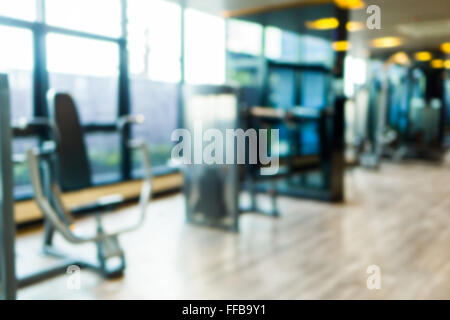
x=397 y=218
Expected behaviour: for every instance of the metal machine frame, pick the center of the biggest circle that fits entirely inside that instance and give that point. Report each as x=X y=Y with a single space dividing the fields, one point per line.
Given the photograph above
x=8 y=285
x=213 y=191
x=57 y=218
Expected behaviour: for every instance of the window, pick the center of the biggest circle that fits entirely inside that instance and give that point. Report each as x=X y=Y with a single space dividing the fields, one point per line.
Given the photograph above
x=291 y=47
x=244 y=37
x=104 y=156
x=100 y=16
x=16 y=60
x=22 y=180
x=153 y=53
x=244 y=45
x=282 y=45
x=158 y=102
x=204 y=48
x=155 y=73
x=82 y=46
x=316 y=50
x=18 y=9
x=88 y=70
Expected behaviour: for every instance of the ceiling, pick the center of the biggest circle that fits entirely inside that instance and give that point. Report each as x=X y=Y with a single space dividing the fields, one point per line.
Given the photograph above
x=421 y=24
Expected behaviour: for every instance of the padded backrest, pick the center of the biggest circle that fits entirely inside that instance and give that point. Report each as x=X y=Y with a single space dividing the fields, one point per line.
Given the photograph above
x=74 y=170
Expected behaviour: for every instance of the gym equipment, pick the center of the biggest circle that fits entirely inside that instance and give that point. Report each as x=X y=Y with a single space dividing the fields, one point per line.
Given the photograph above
x=318 y=177
x=410 y=116
x=376 y=137
x=61 y=162
x=212 y=191
x=8 y=285
x=298 y=79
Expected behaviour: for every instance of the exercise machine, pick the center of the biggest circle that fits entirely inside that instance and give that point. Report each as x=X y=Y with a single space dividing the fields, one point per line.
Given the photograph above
x=317 y=176
x=49 y=166
x=213 y=190
x=297 y=89
x=66 y=164
x=407 y=113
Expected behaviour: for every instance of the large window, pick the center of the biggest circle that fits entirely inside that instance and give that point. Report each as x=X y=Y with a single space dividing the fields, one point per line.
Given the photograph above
x=79 y=47
x=155 y=73
x=104 y=155
x=244 y=49
x=93 y=16
x=22 y=182
x=291 y=47
x=88 y=70
x=244 y=37
x=19 y=9
x=16 y=60
x=282 y=45
x=154 y=40
x=204 y=48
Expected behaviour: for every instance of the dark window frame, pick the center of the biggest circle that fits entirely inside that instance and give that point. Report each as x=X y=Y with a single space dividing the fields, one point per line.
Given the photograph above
x=39 y=30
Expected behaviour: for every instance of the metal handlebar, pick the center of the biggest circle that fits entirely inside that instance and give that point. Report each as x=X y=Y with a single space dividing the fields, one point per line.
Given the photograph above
x=27 y=126
x=129 y=119
x=24 y=125
x=53 y=214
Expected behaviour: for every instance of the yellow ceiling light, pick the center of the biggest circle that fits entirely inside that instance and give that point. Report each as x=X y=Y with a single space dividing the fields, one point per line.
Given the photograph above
x=323 y=24
x=400 y=57
x=386 y=42
x=341 y=46
x=350 y=4
x=423 y=56
x=445 y=47
x=437 y=64
x=447 y=64
x=353 y=26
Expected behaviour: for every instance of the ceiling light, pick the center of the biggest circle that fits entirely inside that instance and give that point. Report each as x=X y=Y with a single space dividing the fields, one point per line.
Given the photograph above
x=353 y=26
x=323 y=24
x=400 y=58
x=437 y=64
x=447 y=64
x=423 y=56
x=350 y=4
x=445 y=47
x=341 y=46
x=386 y=42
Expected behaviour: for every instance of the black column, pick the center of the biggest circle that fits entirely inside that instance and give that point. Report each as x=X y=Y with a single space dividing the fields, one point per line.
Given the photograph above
x=337 y=161
x=124 y=97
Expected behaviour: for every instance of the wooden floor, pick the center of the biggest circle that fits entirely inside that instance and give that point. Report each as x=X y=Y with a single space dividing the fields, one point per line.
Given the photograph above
x=397 y=218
